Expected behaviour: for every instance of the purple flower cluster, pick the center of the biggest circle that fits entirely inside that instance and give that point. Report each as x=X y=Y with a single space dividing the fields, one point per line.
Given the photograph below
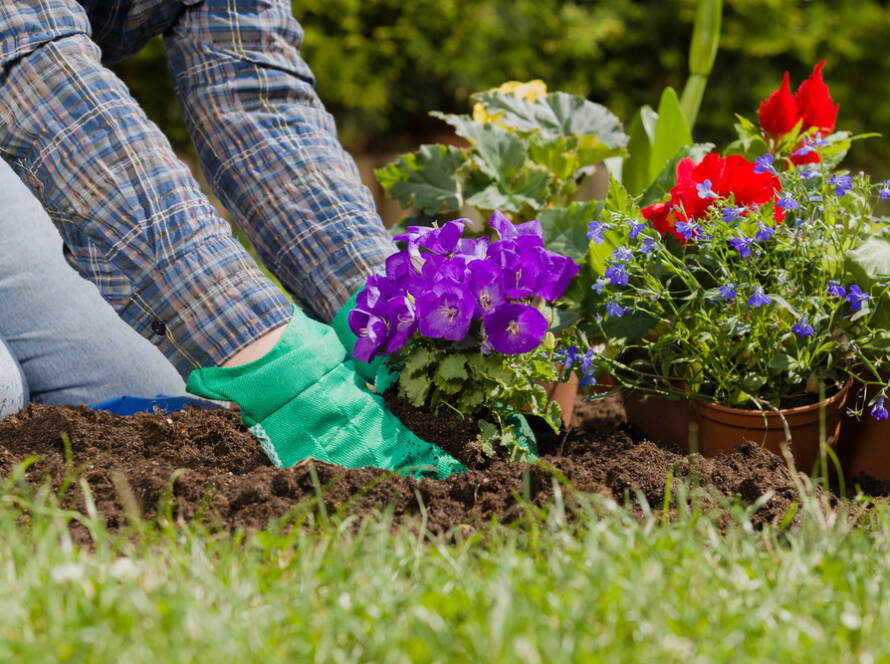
x=443 y=282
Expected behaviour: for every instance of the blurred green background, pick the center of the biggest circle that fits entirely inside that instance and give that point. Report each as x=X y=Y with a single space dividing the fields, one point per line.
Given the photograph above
x=381 y=65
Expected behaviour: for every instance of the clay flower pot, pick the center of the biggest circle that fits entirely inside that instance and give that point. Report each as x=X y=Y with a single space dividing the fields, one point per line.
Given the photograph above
x=864 y=444
x=564 y=394
x=722 y=429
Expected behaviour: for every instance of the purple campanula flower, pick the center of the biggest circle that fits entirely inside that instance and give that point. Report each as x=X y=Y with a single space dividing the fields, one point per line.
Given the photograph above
x=764 y=164
x=558 y=272
x=515 y=328
x=521 y=276
x=731 y=213
x=486 y=283
x=441 y=240
x=371 y=331
x=402 y=322
x=616 y=275
x=764 y=233
x=878 y=411
x=648 y=245
x=788 y=202
x=614 y=309
x=704 y=190
x=445 y=312
x=595 y=230
x=841 y=183
x=507 y=230
x=400 y=269
x=742 y=245
x=377 y=291
x=473 y=248
x=802 y=328
x=885 y=190
x=727 y=291
x=599 y=284
x=856 y=297
x=687 y=229
x=635 y=229
x=834 y=288
x=758 y=298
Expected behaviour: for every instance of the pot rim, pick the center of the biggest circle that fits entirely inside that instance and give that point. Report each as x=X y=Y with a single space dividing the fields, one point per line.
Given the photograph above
x=797 y=410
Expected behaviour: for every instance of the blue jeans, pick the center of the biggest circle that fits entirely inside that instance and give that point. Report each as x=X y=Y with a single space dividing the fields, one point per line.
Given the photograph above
x=60 y=342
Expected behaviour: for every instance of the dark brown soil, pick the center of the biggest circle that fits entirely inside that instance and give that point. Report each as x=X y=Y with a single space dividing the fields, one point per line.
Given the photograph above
x=204 y=464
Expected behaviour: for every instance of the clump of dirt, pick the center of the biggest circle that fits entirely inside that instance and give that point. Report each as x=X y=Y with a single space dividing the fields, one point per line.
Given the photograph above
x=206 y=465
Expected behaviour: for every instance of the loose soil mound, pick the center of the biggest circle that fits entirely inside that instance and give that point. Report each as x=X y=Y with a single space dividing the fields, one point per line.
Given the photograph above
x=228 y=482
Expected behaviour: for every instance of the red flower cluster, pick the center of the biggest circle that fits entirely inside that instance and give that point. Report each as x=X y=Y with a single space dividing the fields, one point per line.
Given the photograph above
x=700 y=186
x=811 y=103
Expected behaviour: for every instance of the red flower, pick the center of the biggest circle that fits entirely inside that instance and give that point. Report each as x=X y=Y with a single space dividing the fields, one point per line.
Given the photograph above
x=811 y=103
x=815 y=104
x=779 y=113
x=719 y=178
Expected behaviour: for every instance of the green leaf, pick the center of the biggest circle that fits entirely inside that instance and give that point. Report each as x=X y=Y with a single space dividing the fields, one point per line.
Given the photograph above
x=414 y=388
x=870 y=262
x=499 y=153
x=557 y=113
x=555 y=154
x=633 y=325
x=426 y=178
x=635 y=171
x=671 y=133
x=418 y=359
x=453 y=367
x=565 y=229
x=782 y=362
x=661 y=186
x=529 y=187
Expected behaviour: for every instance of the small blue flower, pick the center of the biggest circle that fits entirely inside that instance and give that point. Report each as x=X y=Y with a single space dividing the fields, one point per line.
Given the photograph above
x=802 y=329
x=885 y=190
x=758 y=298
x=856 y=297
x=730 y=214
x=834 y=288
x=764 y=233
x=587 y=373
x=566 y=357
x=788 y=202
x=614 y=309
x=809 y=146
x=841 y=183
x=742 y=244
x=704 y=190
x=622 y=254
x=616 y=275
x=648 y=245
x=635 y=229
x=599 y=284
x=595 y=231
x=807 y=173
x=878 y=411
x=764 y=164
x=727 y=291
x=687 y=229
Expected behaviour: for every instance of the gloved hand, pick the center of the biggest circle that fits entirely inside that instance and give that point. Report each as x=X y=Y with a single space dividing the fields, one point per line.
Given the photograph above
x=302 y=400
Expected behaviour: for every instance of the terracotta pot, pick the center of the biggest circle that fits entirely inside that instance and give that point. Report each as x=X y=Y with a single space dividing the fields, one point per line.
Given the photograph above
x=864 y=444
x=564 y=394
x=722 y=429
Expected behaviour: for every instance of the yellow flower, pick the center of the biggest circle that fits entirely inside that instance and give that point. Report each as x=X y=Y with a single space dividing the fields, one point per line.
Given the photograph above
x=530 y=90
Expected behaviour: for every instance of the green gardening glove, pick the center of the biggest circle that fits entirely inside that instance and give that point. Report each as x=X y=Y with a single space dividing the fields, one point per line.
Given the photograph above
x=302 y=400
x=375 y=372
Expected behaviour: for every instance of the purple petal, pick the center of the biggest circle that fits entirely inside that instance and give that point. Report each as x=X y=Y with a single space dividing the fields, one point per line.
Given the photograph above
x=402 y=322
x=515 y=328
x=486 y=283
x=445 y=313
x=558 y=272
x=371 y=331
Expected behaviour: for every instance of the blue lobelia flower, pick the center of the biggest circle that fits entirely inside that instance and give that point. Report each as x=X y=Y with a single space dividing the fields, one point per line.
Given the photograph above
x=802 y=328
x=885 y=190
x=841 y=183
x=704 y=190
x=595 y=230
x=727 y=291
x=614 y=309
x=635 y=229
x=515 y=328
x=834 y=288
x=758 y=298
x=648 y=245
x=616 y=275
x=764 y=233
x=742 y=245
x=731 y=213
x=788 y=202
x=687 y=229
x=878 y=411
x=856 y=297
x=810 y=146
x=622 y=254
x=764 y=164
x=587 y=375
x=599 y=284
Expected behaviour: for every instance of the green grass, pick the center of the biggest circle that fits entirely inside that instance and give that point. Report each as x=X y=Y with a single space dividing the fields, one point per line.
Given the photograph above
x=617 y=589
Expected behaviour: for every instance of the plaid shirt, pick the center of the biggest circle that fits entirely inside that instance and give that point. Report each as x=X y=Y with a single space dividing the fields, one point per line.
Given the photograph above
x=133 y=219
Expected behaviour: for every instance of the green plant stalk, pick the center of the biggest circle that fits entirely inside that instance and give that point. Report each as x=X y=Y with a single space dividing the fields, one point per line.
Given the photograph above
x=702 y=52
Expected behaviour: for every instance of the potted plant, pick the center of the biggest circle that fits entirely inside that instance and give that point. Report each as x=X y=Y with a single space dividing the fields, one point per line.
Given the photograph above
x=465 y=323
x=746 y=290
